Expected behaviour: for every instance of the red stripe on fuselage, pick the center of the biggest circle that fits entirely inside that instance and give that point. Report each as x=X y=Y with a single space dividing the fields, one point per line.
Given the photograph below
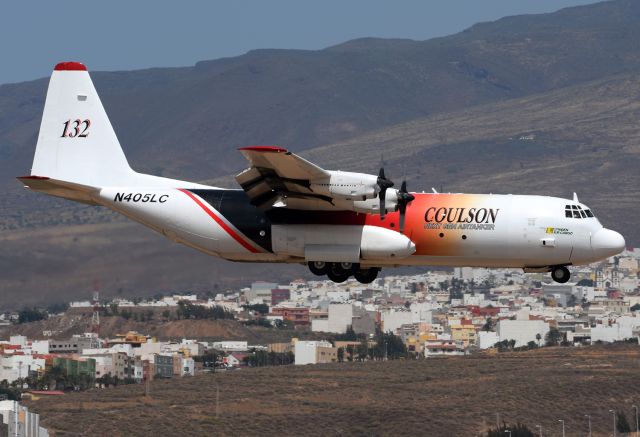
x=221 y=222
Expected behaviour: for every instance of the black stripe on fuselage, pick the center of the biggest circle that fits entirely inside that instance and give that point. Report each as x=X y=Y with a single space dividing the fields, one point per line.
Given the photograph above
x=236 y=207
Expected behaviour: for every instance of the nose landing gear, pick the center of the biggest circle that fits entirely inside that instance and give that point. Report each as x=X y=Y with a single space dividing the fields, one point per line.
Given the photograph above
x=560 y=274
x=340 y=272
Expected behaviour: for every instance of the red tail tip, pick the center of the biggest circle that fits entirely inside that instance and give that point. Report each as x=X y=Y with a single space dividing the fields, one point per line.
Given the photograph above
x=264 y=149
x=70 y=66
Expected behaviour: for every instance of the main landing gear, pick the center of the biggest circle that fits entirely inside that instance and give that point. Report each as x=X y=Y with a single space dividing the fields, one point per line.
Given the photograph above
x=340 y=272
x=560 y=274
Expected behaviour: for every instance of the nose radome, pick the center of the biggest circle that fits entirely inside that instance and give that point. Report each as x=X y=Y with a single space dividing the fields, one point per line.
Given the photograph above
x=606 y=242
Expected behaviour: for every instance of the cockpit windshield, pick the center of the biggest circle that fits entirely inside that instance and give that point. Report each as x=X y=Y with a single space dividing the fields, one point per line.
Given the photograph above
x=576 y=211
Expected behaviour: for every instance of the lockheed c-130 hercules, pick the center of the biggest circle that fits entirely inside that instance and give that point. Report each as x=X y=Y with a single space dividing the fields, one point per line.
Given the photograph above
x=289 y=210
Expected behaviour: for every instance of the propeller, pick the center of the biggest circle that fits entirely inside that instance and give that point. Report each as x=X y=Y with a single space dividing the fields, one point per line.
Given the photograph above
x=404 y=197
x=383 y=183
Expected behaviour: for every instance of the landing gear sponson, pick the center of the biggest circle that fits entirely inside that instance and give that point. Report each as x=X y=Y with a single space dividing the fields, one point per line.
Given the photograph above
x=340 y=272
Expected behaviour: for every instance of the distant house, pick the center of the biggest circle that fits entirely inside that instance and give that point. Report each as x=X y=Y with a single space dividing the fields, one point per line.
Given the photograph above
x=234 y=359
x=441 y=348
x=315 y=352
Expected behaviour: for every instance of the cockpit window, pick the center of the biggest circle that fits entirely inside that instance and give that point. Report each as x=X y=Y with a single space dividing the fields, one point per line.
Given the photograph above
x=576 y=211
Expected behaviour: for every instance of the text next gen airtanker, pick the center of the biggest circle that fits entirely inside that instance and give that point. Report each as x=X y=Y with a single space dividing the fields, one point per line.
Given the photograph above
x=289 y=210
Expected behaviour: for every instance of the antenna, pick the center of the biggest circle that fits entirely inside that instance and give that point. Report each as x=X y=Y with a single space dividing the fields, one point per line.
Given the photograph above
x=95 y=317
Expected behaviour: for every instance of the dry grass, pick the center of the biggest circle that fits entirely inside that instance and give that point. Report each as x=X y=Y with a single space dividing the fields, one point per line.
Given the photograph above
x=457 y=396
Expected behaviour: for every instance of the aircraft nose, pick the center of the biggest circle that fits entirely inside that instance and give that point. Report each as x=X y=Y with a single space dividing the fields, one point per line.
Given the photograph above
x=606 y=243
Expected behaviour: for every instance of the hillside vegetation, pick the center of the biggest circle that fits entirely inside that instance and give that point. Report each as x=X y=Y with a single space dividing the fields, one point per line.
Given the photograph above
x=435 y=397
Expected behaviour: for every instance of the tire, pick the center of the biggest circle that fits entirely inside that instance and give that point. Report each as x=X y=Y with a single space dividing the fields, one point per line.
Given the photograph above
x=560 y=274
x=366 y=276
x=337 y=274
x=318 y=268
x=350 y=268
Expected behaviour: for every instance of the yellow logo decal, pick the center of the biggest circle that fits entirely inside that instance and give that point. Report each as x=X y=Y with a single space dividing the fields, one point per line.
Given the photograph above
x=549 y=230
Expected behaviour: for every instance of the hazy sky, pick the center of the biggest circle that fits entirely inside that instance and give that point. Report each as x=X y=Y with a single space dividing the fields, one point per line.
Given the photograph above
x=125 y=35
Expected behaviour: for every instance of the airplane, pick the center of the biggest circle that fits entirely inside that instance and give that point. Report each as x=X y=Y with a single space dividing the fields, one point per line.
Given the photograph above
x=289 y=210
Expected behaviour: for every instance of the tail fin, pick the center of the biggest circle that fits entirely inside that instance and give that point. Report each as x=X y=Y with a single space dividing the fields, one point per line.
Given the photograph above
x=76 y=143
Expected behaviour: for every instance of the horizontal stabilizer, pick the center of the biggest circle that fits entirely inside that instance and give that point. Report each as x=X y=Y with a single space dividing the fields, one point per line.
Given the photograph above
x=58 y=188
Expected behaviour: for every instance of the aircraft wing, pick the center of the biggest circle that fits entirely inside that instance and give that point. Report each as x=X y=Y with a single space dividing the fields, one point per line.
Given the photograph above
x=280 y=178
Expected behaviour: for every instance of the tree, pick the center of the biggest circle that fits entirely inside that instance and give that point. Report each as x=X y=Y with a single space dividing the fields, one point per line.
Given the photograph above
x=31 y=315
x=260 y=308
x=349 y=335
x=553 y=337
x=517 y=430
x=350 y=352
x=166 y=314
x=56 y=308
x=622 y=425
x=363 y=350
x=114 y=309
x=636 y=307
x=488 y=324
x=340 y=354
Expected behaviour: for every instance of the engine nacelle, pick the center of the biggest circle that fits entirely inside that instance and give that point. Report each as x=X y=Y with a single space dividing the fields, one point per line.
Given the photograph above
x=340 y=243
x=372 y=206
x=347 y=185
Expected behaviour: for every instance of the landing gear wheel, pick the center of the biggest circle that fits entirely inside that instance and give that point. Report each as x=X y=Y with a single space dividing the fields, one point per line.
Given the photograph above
x=318 y=268
x=337 y=274
x=350 y=268
x=560 y=274
x=366 y=276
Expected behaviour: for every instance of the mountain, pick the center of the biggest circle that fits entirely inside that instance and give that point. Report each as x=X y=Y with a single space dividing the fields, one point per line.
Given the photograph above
x=444 y=112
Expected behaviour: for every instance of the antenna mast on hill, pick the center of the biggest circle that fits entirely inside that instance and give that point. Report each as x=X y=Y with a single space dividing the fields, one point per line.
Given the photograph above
x=95 y=317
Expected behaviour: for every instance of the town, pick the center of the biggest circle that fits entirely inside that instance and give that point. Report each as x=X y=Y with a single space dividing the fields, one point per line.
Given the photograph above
x=435 y=314
x=438 y=313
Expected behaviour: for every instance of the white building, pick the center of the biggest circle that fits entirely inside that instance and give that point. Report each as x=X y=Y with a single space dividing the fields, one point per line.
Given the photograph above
x=314 y=352
x=441 y=348
x=421 y=312
x=487 y=339
x=393 y=319
x=609 y=334
x=20 y=421
x=340 y=317
x=320 y=325
x=522 y=331
x=231 y=346
x=13 y=367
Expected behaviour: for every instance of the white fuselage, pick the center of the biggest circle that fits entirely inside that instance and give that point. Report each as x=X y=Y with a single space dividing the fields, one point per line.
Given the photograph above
x=442 y=229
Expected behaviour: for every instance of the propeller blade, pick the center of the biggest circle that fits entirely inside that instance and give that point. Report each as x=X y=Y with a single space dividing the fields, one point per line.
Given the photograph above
x=404 y=197
x=383 y=184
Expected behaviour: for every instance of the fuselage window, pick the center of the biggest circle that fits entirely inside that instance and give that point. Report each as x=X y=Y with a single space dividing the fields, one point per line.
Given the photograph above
x=576 y=214
x=567 y=213
x=589 y=213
